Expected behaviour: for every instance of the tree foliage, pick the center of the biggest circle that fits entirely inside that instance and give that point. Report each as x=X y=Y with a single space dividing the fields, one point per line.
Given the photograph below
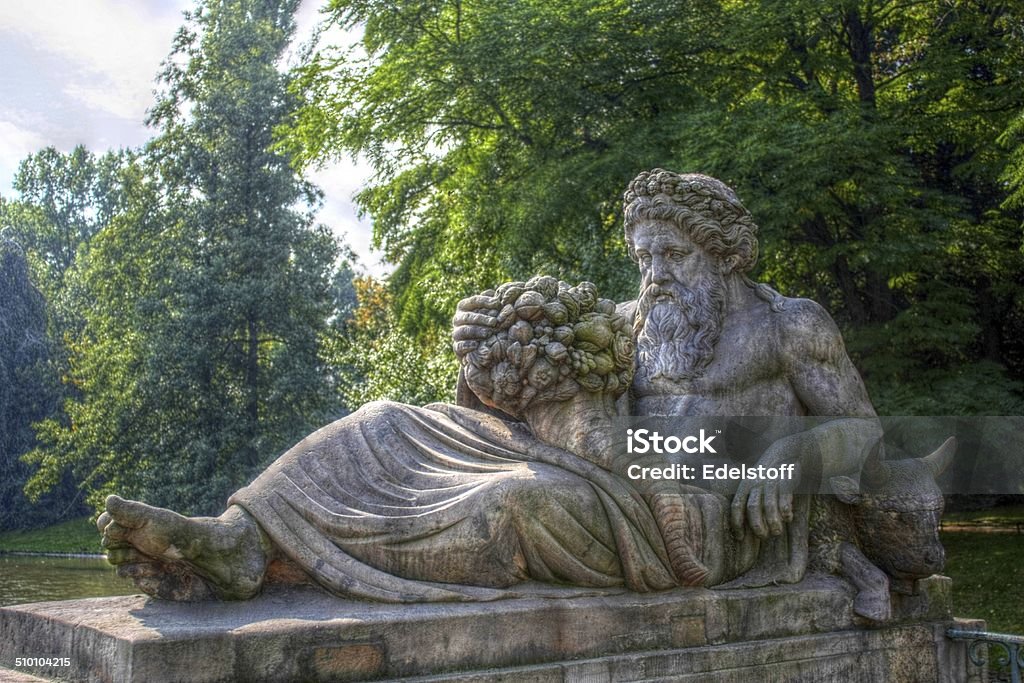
x=63 y=200
x=873 y=140
x=376 y=360
x=28 y=390
x=200 y=357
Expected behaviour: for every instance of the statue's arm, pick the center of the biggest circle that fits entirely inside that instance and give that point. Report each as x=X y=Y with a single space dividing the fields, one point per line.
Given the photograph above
x=823 y=378
x=828 y=384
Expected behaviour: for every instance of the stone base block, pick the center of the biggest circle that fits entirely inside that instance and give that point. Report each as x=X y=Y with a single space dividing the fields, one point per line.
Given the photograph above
x=802 y=632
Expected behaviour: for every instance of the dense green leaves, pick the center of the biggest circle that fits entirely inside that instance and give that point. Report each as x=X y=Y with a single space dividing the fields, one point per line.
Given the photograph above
x=873 y=140
x=497 y=129
x=29 y=390
x=63 y=201
x=205 y=298
x=375 y=360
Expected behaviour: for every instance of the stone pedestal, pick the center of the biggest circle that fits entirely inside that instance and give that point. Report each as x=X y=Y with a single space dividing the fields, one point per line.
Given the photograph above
x=803 y=632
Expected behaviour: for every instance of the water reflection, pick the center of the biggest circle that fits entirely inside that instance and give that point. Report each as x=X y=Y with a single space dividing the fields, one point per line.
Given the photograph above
x=35 y=579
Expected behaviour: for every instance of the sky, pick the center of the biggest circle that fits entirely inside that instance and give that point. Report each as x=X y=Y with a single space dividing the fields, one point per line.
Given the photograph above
x=82 y=72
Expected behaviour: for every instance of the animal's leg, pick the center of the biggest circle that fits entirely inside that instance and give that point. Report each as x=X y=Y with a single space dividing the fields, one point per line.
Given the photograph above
x=872 y=584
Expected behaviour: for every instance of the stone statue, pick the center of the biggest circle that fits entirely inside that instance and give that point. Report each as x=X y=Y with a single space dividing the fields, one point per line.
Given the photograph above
x=883 y=532
x=522 y=485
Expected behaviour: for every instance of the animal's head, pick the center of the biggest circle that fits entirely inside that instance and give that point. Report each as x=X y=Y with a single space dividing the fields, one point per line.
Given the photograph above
x=897 y=509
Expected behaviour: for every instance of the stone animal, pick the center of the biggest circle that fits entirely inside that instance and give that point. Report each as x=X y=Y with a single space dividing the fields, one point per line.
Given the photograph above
x=884 y=531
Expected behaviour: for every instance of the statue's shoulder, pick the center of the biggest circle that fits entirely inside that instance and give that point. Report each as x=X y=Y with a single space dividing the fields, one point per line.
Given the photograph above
x=807 y=331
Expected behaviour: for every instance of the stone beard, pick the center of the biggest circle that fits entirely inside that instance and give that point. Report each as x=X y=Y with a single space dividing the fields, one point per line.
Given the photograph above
x=677 y=327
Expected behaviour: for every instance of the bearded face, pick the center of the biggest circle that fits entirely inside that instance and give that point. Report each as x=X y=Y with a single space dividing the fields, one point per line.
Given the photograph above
x=677 y=328
x=681 y=307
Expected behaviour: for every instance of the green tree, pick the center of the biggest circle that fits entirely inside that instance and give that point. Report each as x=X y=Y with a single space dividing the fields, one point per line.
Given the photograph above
x=57 y=212
x=867 y=132
x=376 y=360
x=497 y=130
x=28 y=390
x=200 y=359
x=62 y=201
x=861 y=133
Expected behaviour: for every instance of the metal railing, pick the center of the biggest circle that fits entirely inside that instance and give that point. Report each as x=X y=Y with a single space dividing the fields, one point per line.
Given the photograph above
x=981 y=644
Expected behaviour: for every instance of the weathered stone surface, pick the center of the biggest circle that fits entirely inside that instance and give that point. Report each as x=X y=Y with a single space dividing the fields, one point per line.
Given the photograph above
x=799 y=632
x=9 y=676
x=903 y=654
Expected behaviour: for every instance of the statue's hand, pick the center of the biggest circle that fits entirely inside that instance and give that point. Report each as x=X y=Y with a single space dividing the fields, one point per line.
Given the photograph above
x=475 y=320
x=765 y=505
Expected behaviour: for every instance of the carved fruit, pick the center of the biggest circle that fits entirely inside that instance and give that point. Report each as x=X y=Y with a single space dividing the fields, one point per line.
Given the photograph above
x=511 y=292
x=529 y=299
x=556 y=313
x=563 y=334
x=514 y=353
x=571 y=305
x=594 y=330
x=506 y=316
x=545 y=284
x=603 y=363
x=556 y=352
x=530 y=306
x=522 y=332
x=529 y=355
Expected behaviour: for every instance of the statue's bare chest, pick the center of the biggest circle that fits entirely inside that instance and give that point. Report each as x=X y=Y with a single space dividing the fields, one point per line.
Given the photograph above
x=747 y=376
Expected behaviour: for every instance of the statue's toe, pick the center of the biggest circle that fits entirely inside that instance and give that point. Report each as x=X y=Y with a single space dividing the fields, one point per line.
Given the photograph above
x=128 y=513
x=103 y=520
x=115 y=535
x=125 y=555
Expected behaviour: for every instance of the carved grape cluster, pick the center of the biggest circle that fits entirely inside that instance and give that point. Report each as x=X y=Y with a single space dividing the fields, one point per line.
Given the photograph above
x=551 y=340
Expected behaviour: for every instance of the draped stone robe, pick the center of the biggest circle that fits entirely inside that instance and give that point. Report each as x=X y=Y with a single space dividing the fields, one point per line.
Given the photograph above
x=405 y=504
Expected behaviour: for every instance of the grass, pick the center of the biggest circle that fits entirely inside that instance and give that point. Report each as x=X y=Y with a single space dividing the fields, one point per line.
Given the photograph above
x=1008 y=514
x=988 y=577
x=75 y=536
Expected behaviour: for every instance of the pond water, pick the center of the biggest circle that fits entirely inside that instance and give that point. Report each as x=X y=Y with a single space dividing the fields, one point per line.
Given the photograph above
x=34 y=578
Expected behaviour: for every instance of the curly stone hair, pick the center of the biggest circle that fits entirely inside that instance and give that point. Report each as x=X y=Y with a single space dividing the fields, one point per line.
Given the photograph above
x=705 y=209
x=551 y=341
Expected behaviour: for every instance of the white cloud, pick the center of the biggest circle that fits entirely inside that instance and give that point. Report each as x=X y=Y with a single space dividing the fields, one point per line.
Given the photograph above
x=16 y=143
x=340 y=182
x=111 y=48
x=310 y=14
x=82 y=72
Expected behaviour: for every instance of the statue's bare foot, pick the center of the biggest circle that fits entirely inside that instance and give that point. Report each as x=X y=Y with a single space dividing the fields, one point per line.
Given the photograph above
x=174 y=557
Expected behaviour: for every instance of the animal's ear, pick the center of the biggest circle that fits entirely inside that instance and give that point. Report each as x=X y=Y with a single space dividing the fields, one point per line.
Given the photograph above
x=846 y=489
x=939 y=460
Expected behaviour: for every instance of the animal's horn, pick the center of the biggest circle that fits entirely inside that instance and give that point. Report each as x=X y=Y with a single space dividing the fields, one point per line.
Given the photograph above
x=875 y=472
x=939 y=460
